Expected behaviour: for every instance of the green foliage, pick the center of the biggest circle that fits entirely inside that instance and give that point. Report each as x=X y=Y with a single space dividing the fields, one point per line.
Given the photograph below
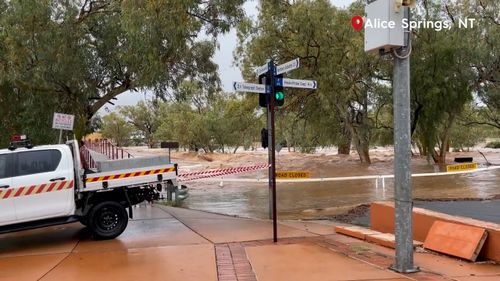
x=447 y=67
x=144 y=118
x=226 y=121
x=75 y=56
x=486 y=42
x=464 y=137
x=493 y=144
x=353 y=101
x=331 y=52
x=116 y=128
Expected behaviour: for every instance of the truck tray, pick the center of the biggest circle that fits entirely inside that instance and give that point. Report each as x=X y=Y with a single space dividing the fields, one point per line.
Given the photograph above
x=131 y=163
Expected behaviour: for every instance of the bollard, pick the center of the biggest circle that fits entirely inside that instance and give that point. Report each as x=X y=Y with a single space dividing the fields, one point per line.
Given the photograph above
x=169 y=192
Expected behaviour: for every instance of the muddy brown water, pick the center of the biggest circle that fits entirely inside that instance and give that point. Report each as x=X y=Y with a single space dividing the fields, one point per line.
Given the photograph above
x=321 y=199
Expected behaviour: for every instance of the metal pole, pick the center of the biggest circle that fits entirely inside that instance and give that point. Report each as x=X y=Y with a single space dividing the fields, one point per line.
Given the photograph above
x=273 y=170
x=269 y=160
x=60 y=136
x=269 y=157
x=272 y=154
x=402 y=160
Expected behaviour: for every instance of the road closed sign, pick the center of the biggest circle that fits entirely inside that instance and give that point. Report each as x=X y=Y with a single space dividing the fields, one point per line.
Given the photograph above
x=461 y=167
x=293 y=174
x=63 y=121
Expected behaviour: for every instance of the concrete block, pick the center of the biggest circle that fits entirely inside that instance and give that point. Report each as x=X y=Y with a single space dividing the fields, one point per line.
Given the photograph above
x=387 y=240
x=355 y=231
x=382 y=219
x=458 y=240
x=382 y=239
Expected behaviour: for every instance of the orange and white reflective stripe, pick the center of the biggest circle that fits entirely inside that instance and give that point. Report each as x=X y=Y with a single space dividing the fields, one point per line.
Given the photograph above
x=189 y=176
x=129 y=175
x=35 y=189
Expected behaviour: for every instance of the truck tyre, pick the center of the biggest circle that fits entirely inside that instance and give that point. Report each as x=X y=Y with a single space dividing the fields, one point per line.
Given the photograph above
x=107 y=220
x=84 y=220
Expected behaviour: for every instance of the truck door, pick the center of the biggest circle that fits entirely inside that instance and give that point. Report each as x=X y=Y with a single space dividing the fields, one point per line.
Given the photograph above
x=7 y=210
x=47 y=176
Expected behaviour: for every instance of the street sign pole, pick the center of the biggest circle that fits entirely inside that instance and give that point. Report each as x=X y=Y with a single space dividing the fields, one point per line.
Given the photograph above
x=269 y=156
x=268 y=88
x=60 y=136
x=272 y=154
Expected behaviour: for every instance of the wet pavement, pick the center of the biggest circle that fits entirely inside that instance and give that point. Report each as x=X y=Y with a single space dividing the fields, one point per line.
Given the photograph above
x=165 y=243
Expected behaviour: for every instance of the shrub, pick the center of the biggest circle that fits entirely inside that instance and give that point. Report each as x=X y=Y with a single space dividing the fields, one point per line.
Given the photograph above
x=493 y=144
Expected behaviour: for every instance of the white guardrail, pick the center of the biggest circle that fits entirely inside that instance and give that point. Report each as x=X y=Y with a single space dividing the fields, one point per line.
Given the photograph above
x=222 y=179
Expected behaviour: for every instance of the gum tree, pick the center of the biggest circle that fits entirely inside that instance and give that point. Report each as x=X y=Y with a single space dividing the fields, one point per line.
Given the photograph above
x=75 y=56
x=331 y=52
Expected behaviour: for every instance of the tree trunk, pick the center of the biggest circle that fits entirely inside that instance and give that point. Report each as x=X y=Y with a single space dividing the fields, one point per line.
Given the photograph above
x=360 y=137
x=421 y=149
x=344 y=145
x=439 y=158
x=344 y=148
x=444 y=145
x=363 y=149
x=150 y=143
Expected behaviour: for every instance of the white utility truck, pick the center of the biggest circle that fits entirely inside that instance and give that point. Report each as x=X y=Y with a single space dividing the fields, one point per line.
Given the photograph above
x=46 y=185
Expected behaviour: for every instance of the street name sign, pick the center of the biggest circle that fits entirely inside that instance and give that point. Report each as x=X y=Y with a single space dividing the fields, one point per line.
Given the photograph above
x=262 y=69
x=461 y=167
x=296 y=83
x=63 y=121
x=293 y=174
x=291 y=65
x=169 y=144
x=249 y=87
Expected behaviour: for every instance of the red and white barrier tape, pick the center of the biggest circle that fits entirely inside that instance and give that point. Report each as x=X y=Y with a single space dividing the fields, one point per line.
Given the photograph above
x=220 y=172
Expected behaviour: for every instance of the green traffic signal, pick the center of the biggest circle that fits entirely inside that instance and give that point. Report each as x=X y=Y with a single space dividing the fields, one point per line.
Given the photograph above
x=279 y=96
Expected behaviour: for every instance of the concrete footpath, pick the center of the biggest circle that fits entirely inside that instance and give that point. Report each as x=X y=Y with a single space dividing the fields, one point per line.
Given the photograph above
x=165 y=243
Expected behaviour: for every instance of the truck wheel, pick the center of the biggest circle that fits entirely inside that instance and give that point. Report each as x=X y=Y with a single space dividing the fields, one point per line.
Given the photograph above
x=107 y=220
x=84 y=220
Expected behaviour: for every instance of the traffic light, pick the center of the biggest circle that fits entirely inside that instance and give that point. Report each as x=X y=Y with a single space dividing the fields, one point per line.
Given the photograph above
x=279 y=93
x=264 y=138
x=263 y=97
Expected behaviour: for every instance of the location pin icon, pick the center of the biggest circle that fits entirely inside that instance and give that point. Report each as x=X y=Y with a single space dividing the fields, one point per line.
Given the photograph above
x=357 y=22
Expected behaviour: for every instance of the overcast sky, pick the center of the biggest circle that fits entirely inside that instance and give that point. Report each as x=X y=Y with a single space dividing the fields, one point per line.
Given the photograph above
x=223 y=57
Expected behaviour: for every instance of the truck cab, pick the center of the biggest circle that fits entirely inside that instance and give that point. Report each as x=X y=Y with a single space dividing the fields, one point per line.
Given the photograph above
x=36 y=183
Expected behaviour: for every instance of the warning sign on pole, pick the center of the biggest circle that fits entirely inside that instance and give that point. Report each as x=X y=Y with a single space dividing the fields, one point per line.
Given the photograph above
x=63 y=121
x=461 y=167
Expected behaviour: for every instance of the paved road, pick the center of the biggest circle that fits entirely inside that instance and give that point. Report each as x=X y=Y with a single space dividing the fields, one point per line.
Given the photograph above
x=165 y=243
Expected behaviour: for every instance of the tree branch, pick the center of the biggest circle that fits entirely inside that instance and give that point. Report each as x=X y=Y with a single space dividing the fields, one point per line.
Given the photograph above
x=110 y=95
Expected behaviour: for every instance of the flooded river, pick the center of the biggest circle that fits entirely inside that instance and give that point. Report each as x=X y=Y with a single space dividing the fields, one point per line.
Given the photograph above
x=320 y=199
